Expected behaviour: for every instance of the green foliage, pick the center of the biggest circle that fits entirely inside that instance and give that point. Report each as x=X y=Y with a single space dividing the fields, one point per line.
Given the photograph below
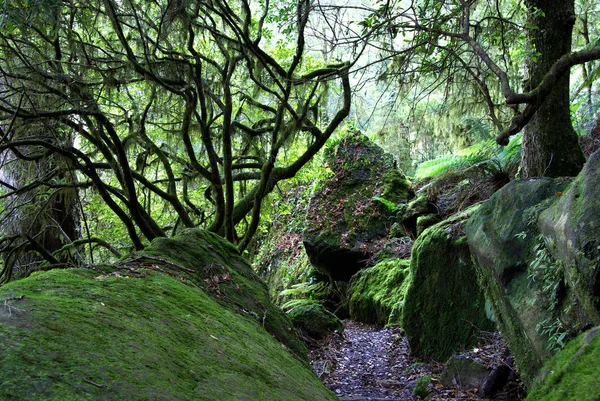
x=421 y=386
x=482 y=152
x=550 y=275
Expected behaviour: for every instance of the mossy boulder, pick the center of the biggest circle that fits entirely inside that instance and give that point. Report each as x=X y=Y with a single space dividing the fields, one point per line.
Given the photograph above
x=503 y=231
x=349 y=219
x=315 y=321
x=207 y=261
x=138 y=333
x=573 y=373
x=377 y=293
x=444 y=307
x=572 y=227
x=532 y=293
x=417 y=208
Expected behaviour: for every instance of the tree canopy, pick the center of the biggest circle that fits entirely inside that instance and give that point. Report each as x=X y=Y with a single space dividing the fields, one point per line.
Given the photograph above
x=149 y=117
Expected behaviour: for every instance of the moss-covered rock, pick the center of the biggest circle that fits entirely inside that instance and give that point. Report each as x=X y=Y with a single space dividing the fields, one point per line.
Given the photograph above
x=533 y=300
x=349 y=219
x=444 y=307
x=211 y=263
x=138 y=334
x=573 y=373
x=411 y=212
x=315 y=320
x=572 y=226
x=377 y=293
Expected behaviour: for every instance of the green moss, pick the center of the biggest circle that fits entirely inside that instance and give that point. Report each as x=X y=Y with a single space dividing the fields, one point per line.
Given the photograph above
x=444 y=308
x=396 y=187
x=315 y=320
x=214 y=265
x=573 y=373
x=421 y=387
x=378 y=292
x=137 y=334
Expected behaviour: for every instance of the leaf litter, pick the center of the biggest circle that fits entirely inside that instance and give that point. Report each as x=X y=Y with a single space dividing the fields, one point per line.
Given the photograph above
x=370 y=363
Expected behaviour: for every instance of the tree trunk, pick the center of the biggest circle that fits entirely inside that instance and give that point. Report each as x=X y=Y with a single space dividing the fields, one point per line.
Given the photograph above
x=550 y=145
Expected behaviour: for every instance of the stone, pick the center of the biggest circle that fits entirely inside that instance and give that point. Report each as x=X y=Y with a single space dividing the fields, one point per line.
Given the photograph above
x=315 y=320
x=572 y=227
x=504 y=239
x=181 y=324
x=463 y=373
x=377 y=293
x=349 y=219
x=444 y=307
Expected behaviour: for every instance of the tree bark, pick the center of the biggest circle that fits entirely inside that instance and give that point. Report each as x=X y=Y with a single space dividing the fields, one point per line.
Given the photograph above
x=550 y=145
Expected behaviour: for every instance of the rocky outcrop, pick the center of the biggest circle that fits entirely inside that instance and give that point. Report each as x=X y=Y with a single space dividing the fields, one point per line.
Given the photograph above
x=535 y=243
x=444 y=307
x=571 y=227
x=503 y=237
x=182 y=320
x=348 y=221
x=377 y=293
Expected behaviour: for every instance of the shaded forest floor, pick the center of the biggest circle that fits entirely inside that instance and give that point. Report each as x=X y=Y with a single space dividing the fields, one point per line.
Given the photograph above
x=369 y=363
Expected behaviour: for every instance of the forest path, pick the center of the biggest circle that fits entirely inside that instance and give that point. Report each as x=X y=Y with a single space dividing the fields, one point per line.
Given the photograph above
x=372 y=364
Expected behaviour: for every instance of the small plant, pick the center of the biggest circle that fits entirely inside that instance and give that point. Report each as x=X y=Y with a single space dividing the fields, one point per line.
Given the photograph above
x=421 y=387
x=550 y=276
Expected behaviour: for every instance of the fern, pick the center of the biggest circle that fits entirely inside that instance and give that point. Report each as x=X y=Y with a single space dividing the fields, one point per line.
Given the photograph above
x=482 y=152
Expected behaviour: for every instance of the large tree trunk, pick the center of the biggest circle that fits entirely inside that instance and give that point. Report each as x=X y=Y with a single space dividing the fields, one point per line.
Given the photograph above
x=550 y=144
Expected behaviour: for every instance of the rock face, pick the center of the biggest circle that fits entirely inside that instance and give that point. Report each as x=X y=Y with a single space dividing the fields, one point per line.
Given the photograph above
x=572 y=229
x=377 y=293
x=444 y=307
x=348 y=219
x=573 y=373
x=535 y=243
x=174 y=326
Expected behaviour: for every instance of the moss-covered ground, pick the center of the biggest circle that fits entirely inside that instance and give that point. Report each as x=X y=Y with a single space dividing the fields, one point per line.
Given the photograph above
x=572 y=374
x=377 y=293
x=137 y=334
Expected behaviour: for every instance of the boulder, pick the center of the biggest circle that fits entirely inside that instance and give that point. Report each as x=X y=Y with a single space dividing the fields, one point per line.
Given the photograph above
x=573 y=373
x=444 y=308
x=572 y=227
x=535 y=245
x=377 y=293
x=348 y=220
x=315 y=321
x=503 y=237
x=150 y=328
x=463 y=373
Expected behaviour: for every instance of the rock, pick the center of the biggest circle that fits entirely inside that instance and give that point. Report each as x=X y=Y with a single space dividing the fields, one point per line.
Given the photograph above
x=315 y=320
x=420 y=206
x=150 y=329
x=496 y=380
x=463 y=373
x=503 y=238
x=349 y=219
x=571 y=226
x=444 y=307
x=215 y=265
x=426 y=221
x=573 y=373
x=377 y=293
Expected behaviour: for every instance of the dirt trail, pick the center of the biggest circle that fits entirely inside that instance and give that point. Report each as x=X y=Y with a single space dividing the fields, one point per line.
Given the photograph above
x=368 y=363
